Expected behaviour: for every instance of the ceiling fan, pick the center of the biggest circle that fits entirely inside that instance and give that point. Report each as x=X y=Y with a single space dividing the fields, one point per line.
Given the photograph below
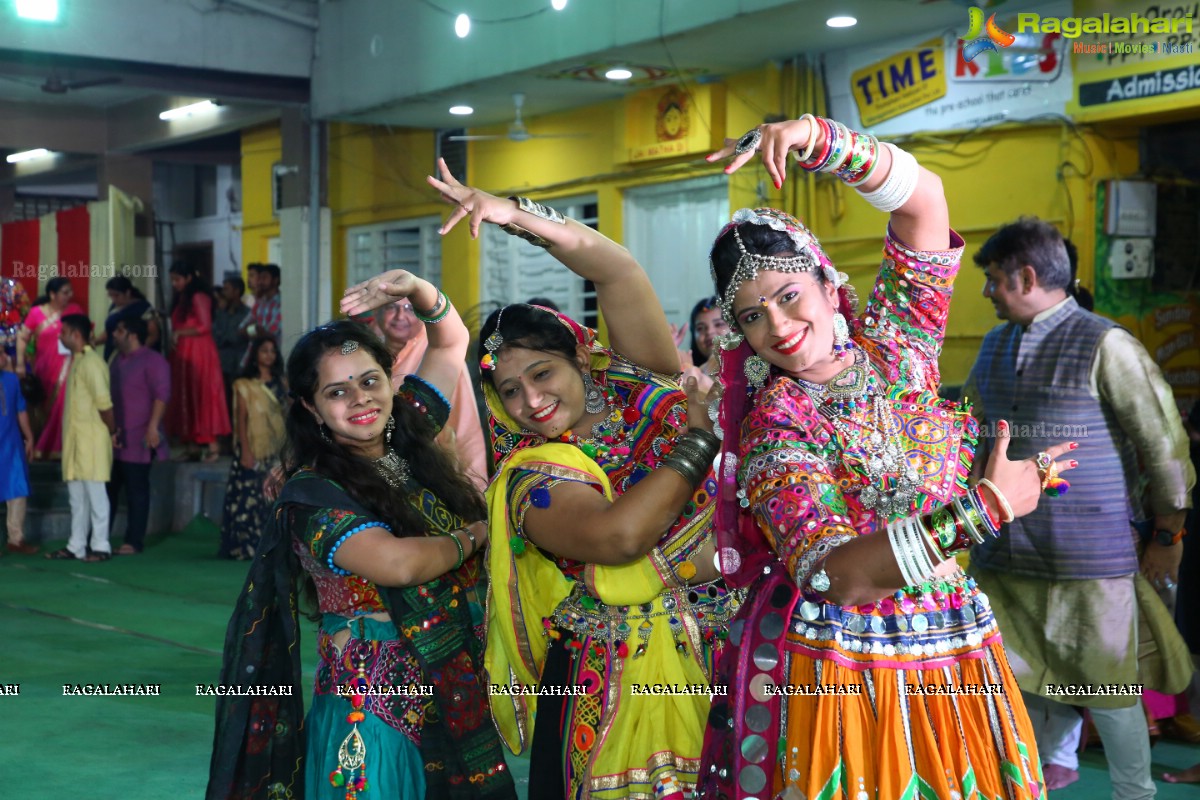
x=517 y=132
x=56 y=85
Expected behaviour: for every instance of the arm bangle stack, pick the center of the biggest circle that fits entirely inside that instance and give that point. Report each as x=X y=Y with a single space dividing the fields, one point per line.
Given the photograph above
x=538 y=210
x=899 y=185
x=908 y=546
x=461 y=553
x=692 y=455
x=436 y=314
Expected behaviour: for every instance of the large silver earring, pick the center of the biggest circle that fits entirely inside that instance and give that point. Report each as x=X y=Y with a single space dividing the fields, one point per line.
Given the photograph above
x=756 y=370
x=841 y=335
x=324 y=433
x=387 y=431
x=593 y=397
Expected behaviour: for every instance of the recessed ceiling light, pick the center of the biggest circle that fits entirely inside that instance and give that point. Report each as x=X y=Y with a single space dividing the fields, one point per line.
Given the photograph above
x=841 y=22
x=187 y=111
x=27 y=155
x=462 y=26
x=558 y=5
x=39 y=10
x=461 y=111
x=618 y=74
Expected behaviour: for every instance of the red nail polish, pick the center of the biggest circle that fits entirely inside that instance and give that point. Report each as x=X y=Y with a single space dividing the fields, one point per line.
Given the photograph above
x=1074 y=463
x=1073 y=445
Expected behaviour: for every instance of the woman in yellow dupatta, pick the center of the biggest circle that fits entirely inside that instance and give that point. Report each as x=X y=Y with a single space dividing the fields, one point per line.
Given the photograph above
x=603 y=594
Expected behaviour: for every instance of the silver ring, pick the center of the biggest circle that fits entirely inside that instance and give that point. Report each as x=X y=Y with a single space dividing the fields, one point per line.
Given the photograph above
x=1043 y=461
x=1169 y=584
x=749 y=142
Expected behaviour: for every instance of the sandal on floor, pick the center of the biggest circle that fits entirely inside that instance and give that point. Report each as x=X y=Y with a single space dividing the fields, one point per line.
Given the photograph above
x=62 y=554
x=126 y=550
x=94 y=557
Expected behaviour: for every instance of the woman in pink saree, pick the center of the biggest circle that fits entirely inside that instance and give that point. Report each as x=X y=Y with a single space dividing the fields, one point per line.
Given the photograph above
x=50 y=363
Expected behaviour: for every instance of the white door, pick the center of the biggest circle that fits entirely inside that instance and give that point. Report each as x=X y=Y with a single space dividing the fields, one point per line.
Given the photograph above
x=670 y=228
x=514 y=271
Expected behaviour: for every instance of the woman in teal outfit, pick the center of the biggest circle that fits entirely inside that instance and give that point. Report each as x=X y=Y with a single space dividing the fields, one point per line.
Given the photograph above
x=379 y=524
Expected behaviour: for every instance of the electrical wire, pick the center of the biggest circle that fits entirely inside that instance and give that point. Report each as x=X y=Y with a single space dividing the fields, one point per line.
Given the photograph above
x=494 y=20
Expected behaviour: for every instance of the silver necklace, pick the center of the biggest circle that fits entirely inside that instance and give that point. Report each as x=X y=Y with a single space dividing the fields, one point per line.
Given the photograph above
x=877 y=434
x=393 y=469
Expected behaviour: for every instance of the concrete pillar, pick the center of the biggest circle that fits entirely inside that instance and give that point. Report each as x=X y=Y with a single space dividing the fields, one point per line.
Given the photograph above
x=304 y=278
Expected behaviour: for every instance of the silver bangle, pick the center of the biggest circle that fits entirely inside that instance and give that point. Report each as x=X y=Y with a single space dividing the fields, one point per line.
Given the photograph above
x=471 y=536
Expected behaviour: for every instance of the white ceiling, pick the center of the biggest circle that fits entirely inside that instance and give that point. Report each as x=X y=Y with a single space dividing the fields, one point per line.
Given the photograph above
x=398 y=62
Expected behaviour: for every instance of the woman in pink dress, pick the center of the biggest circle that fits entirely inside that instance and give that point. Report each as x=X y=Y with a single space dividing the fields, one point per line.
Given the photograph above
x=197 y=413
x=50 y=361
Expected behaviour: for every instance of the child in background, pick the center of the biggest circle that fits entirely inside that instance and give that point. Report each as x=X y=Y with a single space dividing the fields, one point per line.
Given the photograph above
x=16 y=448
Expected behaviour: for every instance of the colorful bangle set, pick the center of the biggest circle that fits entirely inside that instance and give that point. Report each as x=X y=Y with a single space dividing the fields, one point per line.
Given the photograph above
x=850 y=155
x=948 y=530
x=436 y=314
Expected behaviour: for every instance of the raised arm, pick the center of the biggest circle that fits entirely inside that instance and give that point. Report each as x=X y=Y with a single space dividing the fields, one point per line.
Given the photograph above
x=637 y=327
x=921 y=220
x=448 y=336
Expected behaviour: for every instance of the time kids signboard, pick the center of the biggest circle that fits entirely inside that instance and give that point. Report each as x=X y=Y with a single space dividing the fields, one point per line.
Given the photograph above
x=985 y=70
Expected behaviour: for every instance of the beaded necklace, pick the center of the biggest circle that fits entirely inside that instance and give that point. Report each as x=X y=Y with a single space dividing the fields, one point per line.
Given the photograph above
x=859 y=411
x=609 y=435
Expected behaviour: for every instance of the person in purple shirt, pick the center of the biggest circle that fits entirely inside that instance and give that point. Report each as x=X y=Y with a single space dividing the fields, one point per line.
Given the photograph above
x=141 y=389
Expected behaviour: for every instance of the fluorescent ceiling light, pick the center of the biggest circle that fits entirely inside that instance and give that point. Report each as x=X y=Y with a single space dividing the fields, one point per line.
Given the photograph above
x=841 y=22
x=461 y=111
x=558 y=5
x=40 y=10
x=27 y=155
x=618 y=74
x=187 y=111
x=462 y=26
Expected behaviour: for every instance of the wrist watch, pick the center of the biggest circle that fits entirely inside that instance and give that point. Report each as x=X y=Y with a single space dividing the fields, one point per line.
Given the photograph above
x=1166 y=537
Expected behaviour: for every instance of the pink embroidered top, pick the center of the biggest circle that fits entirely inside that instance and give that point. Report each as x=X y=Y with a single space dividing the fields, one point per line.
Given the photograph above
x=809 y=473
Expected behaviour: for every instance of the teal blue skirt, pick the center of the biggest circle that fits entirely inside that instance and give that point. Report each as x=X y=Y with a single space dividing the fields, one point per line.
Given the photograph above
x=394 y=767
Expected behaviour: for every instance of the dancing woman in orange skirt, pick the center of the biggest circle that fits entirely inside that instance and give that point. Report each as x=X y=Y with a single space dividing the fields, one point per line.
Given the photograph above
x=867 y=664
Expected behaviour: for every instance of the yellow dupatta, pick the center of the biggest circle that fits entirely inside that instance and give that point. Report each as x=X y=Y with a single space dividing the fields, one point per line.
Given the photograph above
x=525 y=589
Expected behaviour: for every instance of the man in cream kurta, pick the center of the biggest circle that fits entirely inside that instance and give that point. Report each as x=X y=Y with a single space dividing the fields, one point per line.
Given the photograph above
x=87 y=455
x=404 y=336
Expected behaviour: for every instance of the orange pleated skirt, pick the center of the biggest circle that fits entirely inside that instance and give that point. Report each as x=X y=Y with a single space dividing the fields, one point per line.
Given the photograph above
x=957 y=732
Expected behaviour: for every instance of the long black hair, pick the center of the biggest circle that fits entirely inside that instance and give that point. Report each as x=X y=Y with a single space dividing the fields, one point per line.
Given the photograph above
x=251 y=368
x=196 y=285
x=413 y=440
x=527 y=327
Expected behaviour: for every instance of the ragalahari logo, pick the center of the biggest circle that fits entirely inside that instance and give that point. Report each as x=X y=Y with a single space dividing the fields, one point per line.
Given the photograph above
x=982 y=37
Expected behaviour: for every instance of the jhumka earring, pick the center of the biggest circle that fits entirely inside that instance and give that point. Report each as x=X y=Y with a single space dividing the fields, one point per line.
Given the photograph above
x=324 y=433
x=756 y=370
x=841 y=335
x=492 y=344
x=593 y=396
x=387 y=431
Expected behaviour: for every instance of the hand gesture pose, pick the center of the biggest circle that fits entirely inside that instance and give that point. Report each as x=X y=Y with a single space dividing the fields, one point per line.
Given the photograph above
x=378 y=292
x=480 y=206
x=1021 y=482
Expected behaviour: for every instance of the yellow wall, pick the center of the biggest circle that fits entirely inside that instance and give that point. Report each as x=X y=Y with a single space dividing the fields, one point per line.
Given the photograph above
x=378 y=175
x=262 y=148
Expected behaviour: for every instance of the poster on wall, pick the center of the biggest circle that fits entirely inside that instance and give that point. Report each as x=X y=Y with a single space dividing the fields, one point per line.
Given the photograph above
x=1133 y=58
x=983 y=71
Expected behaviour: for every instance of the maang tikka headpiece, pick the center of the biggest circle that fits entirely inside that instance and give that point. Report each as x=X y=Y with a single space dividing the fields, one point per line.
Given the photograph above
x=808 y=258
x=492 y=344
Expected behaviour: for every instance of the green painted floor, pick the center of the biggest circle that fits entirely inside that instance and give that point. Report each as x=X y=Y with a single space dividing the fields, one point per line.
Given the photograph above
x=160 y=618
x=155 y=618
